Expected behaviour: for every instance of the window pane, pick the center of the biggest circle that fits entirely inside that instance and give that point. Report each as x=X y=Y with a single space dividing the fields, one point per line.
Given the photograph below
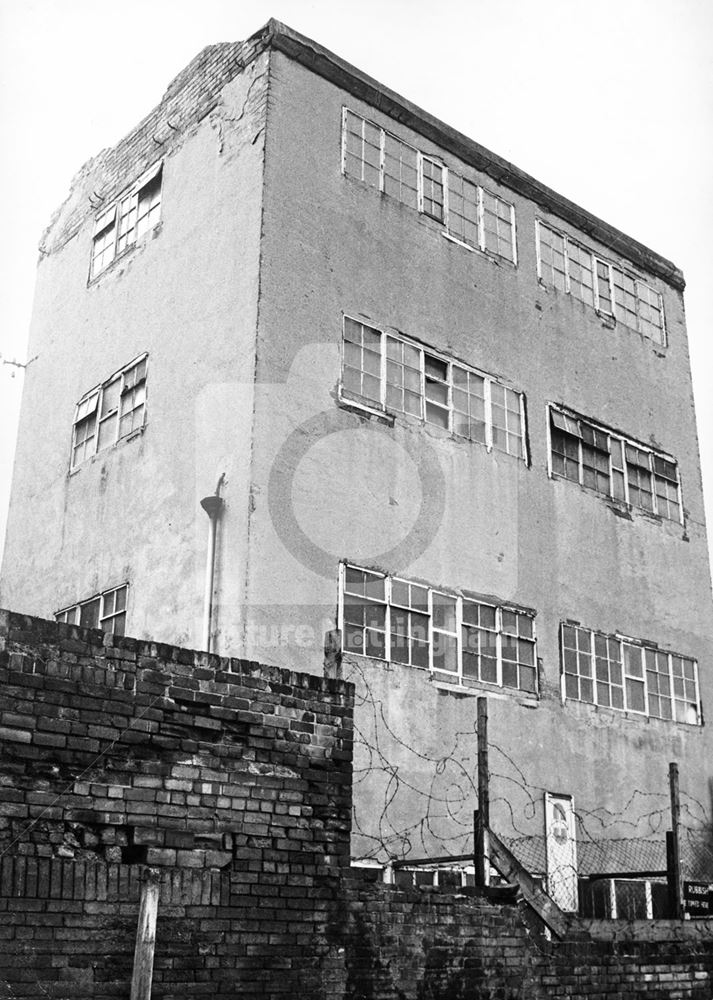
x=463 y=210
x=552 y=258
x=110 y=396
x=635 y=695
x=444 y=612
x=89 y=614
x=445 y=652
x=604 y=287
x=581 y=273
x=107 y=432
x=432 y=175
x=400 y=171
x=498 y=235
x=149 y=205
x=361 y=366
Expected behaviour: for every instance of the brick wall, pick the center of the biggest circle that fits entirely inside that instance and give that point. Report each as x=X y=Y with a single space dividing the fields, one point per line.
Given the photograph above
x=233 y=780
x=426 y=943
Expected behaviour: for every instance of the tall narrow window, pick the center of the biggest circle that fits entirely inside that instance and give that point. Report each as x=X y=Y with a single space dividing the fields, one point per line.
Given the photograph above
x=400 y=178
x=579 y=272
x=551 y=258
x=85 y=428
x=433 y=186
x=463 y=214
x=498 y=226
x=364 y=611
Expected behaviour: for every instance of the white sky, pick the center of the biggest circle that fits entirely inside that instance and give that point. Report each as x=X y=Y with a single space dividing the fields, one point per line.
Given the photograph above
x=609 y=103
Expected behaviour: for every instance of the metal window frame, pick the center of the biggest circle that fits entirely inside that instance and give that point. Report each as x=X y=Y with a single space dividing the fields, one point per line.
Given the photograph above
x=426 y=158
x=481 y=224
x=435 y=672
x=592 y=267
x=539 y=225
x=132 y=192
x=642 y=646
x=622 y=686
x=383 y=409
x=610 y=266
x=98 y=390
x=461 y=241
x=623 y=442
x=101 y=596
x=649 y=288
x=445 y=173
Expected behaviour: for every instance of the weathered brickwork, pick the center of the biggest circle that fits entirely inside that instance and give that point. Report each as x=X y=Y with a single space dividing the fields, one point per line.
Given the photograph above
x=189 y=98
x=233 y=780
x=425 y=943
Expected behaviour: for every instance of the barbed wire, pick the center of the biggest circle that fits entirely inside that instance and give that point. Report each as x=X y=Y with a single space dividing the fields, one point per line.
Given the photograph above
x=400 y=780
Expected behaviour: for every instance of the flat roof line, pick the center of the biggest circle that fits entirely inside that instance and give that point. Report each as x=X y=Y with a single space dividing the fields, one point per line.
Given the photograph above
x=330 y=66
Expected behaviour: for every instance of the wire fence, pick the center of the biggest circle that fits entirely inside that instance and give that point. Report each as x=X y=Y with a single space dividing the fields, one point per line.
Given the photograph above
x=415 y=802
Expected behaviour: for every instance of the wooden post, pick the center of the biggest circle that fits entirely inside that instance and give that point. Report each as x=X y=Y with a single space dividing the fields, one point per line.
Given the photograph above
x=675 y=881
x=482 y=817
x=333 y=654
x=145 y=936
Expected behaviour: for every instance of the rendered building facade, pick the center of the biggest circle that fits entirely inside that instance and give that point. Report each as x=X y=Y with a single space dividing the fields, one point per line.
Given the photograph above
x=423 y=398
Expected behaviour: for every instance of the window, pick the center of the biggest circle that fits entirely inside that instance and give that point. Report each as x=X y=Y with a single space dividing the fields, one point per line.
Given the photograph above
x=471 y=215
x=451 y=879
x=615 y=672
x=607 y=463
x=393 y=374
x=121 y=225
x=111 y=411
x=570 y=267
x=106 y=611
x=623 y=898
x=459 y=639
x=433 y=185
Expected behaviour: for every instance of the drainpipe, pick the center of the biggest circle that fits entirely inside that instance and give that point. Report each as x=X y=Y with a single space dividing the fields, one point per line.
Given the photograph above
x=213 y=506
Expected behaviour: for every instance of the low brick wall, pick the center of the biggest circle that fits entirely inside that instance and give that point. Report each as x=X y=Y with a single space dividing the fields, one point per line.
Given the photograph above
x=426 y=943
x=234 y=781
x=118 y=754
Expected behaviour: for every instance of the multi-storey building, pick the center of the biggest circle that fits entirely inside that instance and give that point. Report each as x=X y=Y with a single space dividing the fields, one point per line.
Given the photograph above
x=307 y=357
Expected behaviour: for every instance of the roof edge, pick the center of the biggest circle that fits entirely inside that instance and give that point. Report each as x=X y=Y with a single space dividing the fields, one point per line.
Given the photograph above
x=330 y=66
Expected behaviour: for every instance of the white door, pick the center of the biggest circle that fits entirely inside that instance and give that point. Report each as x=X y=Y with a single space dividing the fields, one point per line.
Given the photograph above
x=561 y=850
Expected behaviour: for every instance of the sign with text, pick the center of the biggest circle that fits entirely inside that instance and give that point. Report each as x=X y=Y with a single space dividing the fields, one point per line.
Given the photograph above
x=698 y=898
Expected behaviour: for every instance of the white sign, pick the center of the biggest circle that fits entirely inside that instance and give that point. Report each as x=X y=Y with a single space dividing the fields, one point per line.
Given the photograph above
x=561 y=850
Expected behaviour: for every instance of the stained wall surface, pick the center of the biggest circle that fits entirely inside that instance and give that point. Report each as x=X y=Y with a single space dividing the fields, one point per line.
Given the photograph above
x=407 y=499
x=185 y=294
x=239 y=297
